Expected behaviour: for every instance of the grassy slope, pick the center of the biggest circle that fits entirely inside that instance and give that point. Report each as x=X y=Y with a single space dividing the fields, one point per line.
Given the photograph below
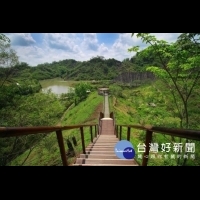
x=133 y=108
x=46 y=153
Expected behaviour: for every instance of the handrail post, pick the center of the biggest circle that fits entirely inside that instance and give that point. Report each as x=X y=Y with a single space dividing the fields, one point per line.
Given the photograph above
x=62 y=147
x=82 y=139
x=128 y=133
x=147 y=142
x=116 y=131
x=100 y=124
x=120 y=133
x=111 y=115
x=95 y=129
x=99 y=127
x=91 y=133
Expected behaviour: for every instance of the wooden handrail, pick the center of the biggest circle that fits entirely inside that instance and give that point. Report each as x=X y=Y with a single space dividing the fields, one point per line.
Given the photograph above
x=20 y=131
x=183 y=133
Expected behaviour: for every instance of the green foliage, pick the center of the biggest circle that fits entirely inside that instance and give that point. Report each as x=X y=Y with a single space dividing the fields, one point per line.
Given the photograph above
x=96 y=68
x=11 y=93
x=177 y=64
x=21 y=104
x=138 y=108
x=115 y=90
x=81 y=91
x=8 y=59
x=46 y=152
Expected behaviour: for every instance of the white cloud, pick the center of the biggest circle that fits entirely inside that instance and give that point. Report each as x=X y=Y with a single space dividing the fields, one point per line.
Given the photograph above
x=81 y=47
x=170 y=37
x=90 y=41
x=61 y=41
x=21 y=39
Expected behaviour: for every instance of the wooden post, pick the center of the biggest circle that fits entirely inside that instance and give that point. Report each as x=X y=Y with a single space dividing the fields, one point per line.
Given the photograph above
x=128 y=133
x=99 y=131
x=91 y=133
x=62 y=147
x=147 y=142
x=82 y=140
x=95 y=129
x=111 y=115
x=120 y=133
x=116 y=131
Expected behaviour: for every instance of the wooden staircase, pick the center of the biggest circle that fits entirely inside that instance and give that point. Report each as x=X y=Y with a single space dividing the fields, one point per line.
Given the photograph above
x=101 y=153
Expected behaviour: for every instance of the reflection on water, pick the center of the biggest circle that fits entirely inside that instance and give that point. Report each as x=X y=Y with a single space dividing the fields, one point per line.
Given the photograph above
x=57 y=86
x=57 y=89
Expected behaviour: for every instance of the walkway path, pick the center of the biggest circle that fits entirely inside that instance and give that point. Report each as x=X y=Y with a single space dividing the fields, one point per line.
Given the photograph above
x=102 y=151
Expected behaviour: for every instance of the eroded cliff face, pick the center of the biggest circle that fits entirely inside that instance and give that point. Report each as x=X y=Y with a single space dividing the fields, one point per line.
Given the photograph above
x=128 y=77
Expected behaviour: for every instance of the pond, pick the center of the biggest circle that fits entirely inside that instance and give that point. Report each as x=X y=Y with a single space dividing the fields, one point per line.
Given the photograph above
x=57 y=86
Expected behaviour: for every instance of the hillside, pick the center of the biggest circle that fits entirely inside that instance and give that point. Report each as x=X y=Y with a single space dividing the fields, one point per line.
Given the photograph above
x=141 y=105
x=97 y=68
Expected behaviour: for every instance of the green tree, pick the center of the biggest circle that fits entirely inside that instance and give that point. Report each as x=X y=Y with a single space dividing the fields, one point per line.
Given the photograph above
x=8 y=58
x=81 y=91
x=177 y=65
x=37 y=109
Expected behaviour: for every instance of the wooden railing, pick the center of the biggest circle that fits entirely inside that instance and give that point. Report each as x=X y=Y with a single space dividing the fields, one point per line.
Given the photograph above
x=182 y=133
x=19 y=131
x=113 y=117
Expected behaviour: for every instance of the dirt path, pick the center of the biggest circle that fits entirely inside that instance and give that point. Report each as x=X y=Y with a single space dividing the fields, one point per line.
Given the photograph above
x=95 y=114
x=59 y=123
x=115 y=107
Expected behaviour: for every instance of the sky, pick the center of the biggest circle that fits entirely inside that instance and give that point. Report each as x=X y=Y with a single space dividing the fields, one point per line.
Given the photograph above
x=38 y=48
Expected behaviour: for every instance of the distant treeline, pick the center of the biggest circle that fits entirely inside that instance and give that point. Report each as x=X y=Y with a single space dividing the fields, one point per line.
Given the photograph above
x=97 y=68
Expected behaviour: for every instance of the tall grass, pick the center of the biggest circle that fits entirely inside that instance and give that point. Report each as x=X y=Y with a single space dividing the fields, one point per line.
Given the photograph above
x=47 y=153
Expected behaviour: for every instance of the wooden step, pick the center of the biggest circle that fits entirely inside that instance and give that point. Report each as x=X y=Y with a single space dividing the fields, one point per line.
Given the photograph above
x=99 y=156
x=101 y=152
x=107 y=136
x=107 y=139
x=104 y=165
x=101 y=146
x=104 y=161
x=104 y=141
x=113 y=138
x=100 y=149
